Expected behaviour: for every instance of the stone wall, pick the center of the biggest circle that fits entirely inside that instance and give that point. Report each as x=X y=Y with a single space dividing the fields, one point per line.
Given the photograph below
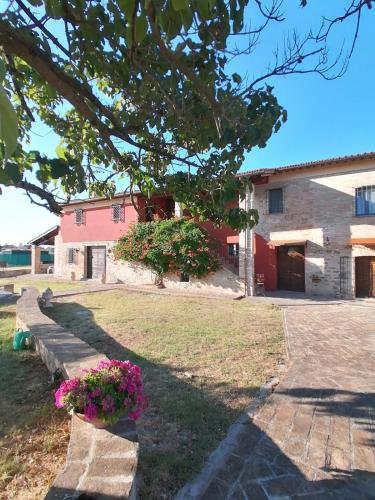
x=223 y=281
x=319 y=208
x=100 y=462
x=10 y=272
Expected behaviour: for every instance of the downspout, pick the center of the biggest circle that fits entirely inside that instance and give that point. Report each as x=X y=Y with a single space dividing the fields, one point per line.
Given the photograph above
x=250 y=250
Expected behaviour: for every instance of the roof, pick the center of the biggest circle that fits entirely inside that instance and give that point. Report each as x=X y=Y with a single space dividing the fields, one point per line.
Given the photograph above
x=46 y=238
x=319 y=163
x=262 y=172
x=362 y=241
x=93 y=199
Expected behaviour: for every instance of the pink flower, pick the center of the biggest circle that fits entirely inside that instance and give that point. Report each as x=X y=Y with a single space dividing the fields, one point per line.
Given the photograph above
x=91 y=411
x=108 y=404
x=96 y=393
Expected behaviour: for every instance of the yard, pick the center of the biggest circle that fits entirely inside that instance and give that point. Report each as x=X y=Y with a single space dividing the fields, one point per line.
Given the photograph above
x=33 y=435
x=202 y=359
x=41 y=283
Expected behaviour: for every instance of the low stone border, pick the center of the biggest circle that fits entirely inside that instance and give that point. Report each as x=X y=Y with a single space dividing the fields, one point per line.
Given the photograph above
x=195 y=489
x=100 y=462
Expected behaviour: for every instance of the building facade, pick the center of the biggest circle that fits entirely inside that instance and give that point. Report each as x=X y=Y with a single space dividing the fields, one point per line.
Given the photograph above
x=316 y=230
x=316 y=234
x=90 y=228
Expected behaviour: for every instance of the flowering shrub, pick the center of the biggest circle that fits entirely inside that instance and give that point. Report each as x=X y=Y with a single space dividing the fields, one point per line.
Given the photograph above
x=105 y=392
x=173 y=245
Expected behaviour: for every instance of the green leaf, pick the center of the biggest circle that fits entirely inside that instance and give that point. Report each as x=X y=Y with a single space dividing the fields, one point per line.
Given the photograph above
x=4 y=178
x=61 y=151
x=140 y=28
x=36 y=3
x=180 y=4
x=203 y=7
x=8 y=124
x=12 y=170
x=187 y=18
x=236 y=78
x=128 y=7
x=54 y=8
x=59 y=168
x=2 y=70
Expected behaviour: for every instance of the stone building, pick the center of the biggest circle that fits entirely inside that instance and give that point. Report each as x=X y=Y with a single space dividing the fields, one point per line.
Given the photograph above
x=316 y=234
x=90 y=228
x=316 y=230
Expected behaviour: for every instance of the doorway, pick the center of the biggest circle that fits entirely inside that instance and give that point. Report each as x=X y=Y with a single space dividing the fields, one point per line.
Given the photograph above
x=365 y=276
x=291 y=268
x=96 y=262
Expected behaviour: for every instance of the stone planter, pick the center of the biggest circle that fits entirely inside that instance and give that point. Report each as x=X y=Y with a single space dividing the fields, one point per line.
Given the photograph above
x=95 y=422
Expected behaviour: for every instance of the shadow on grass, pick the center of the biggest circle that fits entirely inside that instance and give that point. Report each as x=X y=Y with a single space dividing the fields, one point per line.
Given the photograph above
x=186 y=421
x=186 y=418
x=24 y=380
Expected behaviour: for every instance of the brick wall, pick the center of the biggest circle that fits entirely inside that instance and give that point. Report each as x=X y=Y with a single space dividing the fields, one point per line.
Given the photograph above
x=319 y=208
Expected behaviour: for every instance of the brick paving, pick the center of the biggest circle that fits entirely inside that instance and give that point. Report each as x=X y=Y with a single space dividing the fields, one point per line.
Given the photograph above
x=314 y=436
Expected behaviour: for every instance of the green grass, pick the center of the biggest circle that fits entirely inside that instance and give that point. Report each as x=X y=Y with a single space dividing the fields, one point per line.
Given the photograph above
x=42 y=284
x=202 y=359
x=28 y=420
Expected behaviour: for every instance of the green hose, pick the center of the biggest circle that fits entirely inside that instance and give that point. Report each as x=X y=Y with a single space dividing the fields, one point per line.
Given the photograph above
x=19 y=339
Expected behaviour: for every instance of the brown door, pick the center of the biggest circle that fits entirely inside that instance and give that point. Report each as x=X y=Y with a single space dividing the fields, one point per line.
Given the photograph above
x=365 y=276
x=96 y=262
x=291 y=268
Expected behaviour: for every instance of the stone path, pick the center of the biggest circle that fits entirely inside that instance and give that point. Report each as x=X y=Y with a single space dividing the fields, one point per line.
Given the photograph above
x=314 y=437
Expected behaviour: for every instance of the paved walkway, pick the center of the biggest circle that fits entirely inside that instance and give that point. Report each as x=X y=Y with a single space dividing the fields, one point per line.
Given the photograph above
x=314 y=437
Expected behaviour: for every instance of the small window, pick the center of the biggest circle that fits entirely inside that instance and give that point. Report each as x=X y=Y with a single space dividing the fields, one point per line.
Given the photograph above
x=365 y=200
x=276 y=201
x=78 y=216
x=233 y=249
x=184 y=278
x=71 y=256
x=117 y=213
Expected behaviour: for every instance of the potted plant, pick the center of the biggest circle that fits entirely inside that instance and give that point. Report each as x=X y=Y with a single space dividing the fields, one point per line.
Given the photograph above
x=104 y=394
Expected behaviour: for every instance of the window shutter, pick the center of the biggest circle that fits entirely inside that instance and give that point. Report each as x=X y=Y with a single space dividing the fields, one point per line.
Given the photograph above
x=118 y=213
x=70 y=256
x=79 y=216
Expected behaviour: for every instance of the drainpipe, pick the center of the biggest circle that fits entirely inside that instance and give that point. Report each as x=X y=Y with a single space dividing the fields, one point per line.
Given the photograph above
x=246 y=249
x=250 y=248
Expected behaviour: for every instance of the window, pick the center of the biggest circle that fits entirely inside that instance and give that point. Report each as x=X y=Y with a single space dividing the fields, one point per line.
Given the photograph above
x=78 y=216
x=276 y=201
x=184 y=278
x=233 y=249
x=365 y=200
x=117 y=213
x=71 y=255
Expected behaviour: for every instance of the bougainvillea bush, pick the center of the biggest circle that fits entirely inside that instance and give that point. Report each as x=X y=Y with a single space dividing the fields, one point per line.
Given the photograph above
x=105 y=393
x=174 y=245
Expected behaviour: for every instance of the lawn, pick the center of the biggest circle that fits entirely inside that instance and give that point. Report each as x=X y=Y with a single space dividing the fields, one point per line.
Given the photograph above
x=41 y=284
x=33 y=435
x=202 y=359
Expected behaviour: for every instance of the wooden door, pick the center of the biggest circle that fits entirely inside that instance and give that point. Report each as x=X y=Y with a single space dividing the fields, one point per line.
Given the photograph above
x=365 y=276
x=291 y=268
x=96 y=262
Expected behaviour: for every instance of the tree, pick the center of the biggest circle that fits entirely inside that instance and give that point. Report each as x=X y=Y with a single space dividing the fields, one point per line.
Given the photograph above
x=169 y=246
x=143 y=88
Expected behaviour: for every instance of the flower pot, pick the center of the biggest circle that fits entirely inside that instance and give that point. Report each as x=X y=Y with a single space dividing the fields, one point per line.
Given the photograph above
x=95 y=422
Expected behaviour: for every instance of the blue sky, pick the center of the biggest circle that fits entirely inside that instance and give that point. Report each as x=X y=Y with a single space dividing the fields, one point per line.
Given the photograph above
x=325 y=118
